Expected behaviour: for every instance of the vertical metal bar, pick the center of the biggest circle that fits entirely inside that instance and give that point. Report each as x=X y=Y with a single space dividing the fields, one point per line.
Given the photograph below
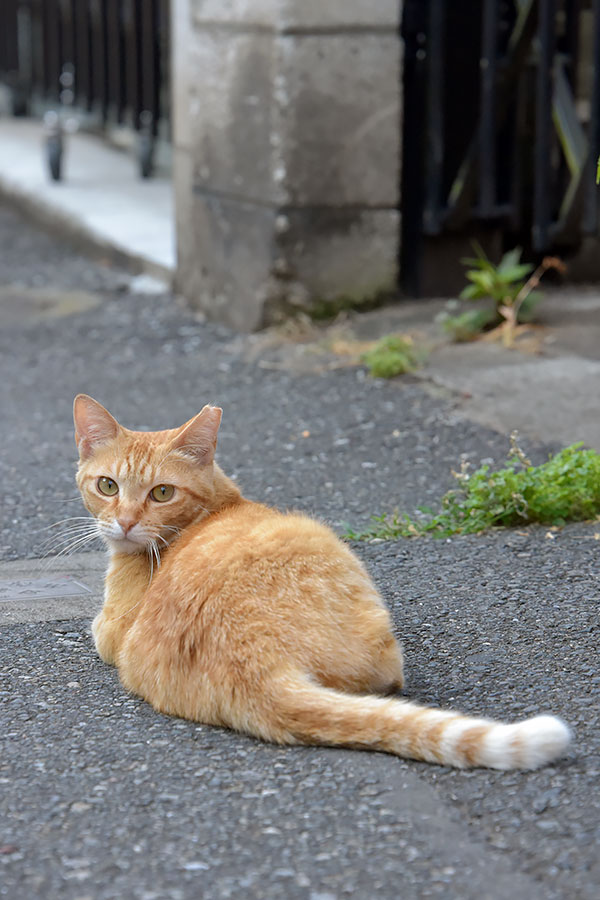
x=113 y=74
x=24 y=41
x=129 y=20
x=164 y=80
x=60 y=34
x=591 y=218
x=412 y=186
x=105 y=60
x=83 y=73
x=67 y=29
x=542 y=199
x=120 y=61
x=139 y=58
x=99 y=56
x=4 y=38
x=572 y=19
x=487 y=115
x=144 y=58
x=148 y=22
x=96 y=53
x=55 y=54
x=435 y=117
x=45 y=43
x=53 y=45
x=9 y=62
x=38 y=49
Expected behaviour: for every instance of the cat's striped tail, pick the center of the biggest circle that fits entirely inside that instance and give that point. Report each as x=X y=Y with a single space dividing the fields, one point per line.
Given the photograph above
x=306 y=712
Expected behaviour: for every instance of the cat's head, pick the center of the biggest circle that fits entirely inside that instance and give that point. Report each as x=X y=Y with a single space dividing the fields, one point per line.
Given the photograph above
x=145 y=487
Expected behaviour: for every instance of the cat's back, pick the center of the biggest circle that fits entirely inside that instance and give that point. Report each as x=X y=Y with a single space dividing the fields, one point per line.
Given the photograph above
x=243 y=591
x=250 y=572
x=248 y=551
x=248 y=532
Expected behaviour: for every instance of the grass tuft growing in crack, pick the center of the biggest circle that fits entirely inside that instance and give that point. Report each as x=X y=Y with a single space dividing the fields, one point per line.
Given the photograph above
x=393 y=354
x=566 y=488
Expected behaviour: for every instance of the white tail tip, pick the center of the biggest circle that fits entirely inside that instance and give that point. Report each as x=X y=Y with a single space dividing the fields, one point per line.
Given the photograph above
x=525 y=745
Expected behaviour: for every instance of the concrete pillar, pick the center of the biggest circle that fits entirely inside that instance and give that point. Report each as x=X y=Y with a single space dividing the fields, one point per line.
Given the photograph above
x=287 y=154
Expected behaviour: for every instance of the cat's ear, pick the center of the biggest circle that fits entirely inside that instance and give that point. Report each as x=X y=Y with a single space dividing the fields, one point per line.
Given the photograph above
x=94 y=425
x=198 y=437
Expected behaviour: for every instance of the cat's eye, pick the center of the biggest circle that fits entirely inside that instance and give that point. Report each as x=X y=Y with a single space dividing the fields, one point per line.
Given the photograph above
x=107 y=486
x=162 y=492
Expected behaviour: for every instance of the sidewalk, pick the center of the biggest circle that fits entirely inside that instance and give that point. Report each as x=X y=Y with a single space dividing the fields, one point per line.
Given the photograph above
x=104 y=798
x=547 y=391
x=102 y=202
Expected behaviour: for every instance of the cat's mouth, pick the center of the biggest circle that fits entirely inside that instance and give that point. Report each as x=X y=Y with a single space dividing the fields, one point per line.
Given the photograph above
x=127 y=545
x=133 y=541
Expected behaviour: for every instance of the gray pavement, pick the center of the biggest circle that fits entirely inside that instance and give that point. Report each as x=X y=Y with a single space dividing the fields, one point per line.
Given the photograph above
x=102 y=798
x=101 y=202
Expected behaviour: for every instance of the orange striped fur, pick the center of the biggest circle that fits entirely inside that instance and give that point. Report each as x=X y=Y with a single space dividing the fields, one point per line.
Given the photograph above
x=228 y=612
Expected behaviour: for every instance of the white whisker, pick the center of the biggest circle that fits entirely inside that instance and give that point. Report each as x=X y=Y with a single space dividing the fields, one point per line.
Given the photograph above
x=63 y=521
x=74 y=526
x=155 y=555
x=70 y=548
x=66 y=536
x=79 y=541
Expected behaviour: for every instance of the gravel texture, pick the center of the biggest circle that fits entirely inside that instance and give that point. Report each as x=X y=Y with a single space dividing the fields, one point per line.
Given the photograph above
x=103 y=798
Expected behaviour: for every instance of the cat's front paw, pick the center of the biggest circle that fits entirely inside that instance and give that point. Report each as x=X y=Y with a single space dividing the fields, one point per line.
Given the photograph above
x=103 y=639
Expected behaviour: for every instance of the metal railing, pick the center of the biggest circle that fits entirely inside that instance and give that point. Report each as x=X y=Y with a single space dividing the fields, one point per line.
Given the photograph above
x=105 y=59
x=502 y=123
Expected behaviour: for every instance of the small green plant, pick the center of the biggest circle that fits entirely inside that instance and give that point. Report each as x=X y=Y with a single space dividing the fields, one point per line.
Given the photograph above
x=392 y=355
x=507 y=289
x=502 y=282
x=467 y=325
x=565 y=488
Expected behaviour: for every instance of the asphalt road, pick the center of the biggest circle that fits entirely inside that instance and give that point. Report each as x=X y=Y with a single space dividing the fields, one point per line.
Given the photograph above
x=102 y=798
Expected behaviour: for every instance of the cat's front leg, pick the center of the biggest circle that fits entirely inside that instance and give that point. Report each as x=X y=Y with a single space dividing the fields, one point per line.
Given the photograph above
x=126 y=583
x=104 y=639
x=109 y=630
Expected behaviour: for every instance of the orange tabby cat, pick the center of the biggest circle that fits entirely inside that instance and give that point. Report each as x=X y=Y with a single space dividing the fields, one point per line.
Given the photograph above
x=258 y=620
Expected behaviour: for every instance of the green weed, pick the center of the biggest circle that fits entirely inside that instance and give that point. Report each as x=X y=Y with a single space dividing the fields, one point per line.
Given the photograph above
x=502 y=282
x=468 y=324
x=564 y=489
x=392 y=355
x=507 y=291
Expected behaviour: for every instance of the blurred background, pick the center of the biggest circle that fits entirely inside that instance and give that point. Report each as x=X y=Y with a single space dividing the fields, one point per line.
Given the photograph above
x=318 y=152
x=295 y=163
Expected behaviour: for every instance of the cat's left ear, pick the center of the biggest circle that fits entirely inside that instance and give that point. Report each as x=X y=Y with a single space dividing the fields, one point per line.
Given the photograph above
x=94 y=425
x=198 y=437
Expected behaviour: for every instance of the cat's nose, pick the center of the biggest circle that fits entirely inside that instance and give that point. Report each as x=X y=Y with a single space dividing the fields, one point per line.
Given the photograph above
x=126 y=523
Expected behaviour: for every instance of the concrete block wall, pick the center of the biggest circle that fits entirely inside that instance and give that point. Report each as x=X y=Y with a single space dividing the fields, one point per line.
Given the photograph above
x=287 y=152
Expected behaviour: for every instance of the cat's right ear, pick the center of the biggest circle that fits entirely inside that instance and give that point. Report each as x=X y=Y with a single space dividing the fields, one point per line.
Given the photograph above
x=94 y=425
x=198 y=437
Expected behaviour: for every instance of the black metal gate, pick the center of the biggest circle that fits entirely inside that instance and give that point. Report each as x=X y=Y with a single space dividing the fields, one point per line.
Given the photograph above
x=501 y=130
x=106 y=58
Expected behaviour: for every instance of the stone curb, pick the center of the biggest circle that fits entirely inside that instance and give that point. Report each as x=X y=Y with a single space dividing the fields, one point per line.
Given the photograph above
x=48 y=590
x=81 y=237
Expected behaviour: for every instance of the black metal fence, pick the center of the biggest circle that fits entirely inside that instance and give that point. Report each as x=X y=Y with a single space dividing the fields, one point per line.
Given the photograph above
x=109 y=56
x=501 y=126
